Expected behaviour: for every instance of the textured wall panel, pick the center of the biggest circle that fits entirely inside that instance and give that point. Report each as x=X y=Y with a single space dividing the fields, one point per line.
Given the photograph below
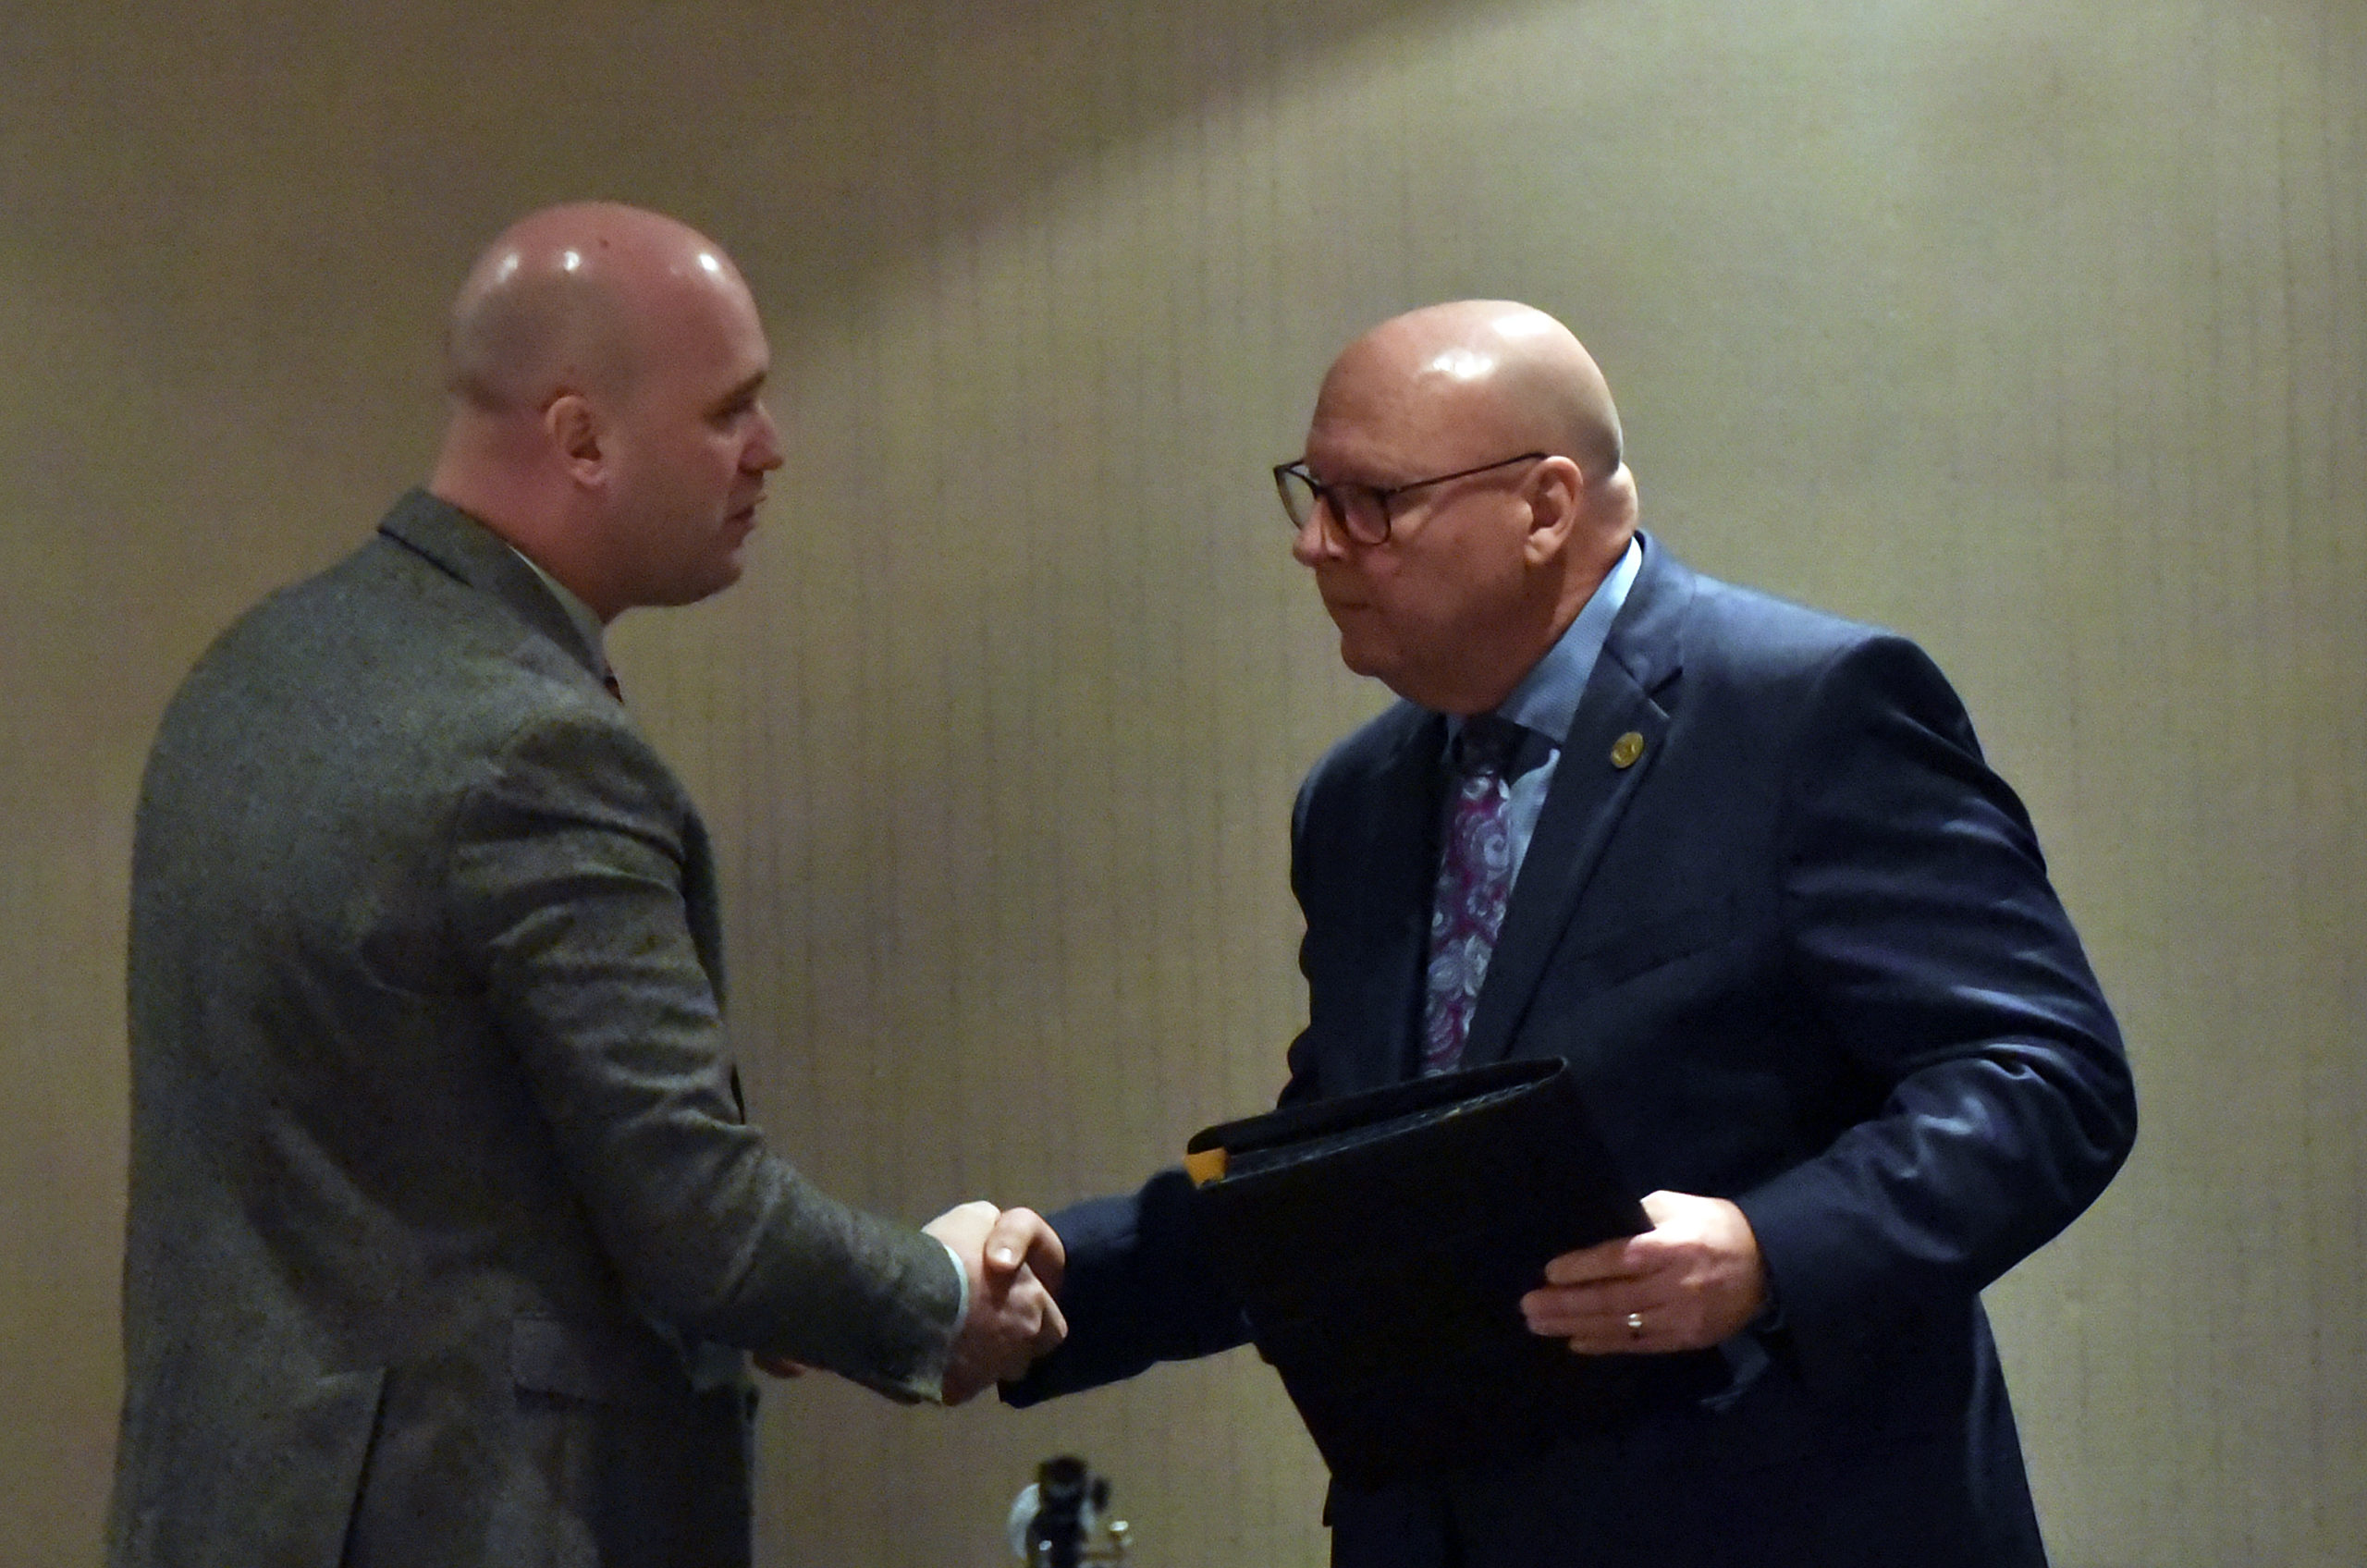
x=2039 y=334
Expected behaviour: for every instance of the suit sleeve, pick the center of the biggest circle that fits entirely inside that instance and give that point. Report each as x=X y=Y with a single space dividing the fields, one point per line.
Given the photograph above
x=1139 y=1290
x=1936 y=959
x=1304 y=1084
x=567 y=880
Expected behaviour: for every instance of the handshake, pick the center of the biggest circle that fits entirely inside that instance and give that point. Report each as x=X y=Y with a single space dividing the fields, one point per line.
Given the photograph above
x=1013 y=1261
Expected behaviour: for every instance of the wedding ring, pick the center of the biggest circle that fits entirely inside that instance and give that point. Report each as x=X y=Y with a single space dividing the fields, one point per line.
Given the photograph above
x=1635 y=1325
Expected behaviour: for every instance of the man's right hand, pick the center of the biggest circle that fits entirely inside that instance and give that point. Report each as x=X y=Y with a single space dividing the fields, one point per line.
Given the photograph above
x=1014 y=1260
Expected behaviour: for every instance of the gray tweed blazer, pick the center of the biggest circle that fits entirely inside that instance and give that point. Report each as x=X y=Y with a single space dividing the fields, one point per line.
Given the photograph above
x=439 y=1178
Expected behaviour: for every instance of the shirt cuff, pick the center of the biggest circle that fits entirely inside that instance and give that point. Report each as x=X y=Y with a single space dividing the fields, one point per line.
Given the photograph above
x=961 y=1272
x=944 y=1362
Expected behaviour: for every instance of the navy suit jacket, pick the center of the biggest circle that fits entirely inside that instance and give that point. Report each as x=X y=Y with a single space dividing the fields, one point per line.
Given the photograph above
x=1802 y=953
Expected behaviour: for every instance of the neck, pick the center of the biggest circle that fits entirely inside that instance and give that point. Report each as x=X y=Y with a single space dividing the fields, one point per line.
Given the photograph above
x=521 y=508
x=1486 y=689
x=1525 y=636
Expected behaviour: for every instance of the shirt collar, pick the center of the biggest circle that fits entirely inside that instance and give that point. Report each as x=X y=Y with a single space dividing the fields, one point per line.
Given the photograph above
x=578 y=614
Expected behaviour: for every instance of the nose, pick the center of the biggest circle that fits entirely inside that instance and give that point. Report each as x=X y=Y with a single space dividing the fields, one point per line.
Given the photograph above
x=763 y=453
x=1314 y=542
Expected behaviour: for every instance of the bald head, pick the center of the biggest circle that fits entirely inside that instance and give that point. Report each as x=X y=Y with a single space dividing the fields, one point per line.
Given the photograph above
x=1476 y=450
x=553 y=305
x=1482 y=374
x=605 y=366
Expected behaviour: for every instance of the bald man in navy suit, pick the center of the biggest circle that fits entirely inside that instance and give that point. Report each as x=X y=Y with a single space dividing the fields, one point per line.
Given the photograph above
x=1762 y=892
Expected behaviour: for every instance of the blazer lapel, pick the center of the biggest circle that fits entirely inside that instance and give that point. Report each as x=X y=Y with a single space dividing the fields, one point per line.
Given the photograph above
x=1598 y=773
x=1398 y=843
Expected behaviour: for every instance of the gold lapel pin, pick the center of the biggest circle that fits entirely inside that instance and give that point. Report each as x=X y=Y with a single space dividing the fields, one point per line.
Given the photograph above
x=1626 y=748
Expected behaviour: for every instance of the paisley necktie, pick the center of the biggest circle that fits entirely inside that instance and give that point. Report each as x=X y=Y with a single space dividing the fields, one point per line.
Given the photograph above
x=1475 y=881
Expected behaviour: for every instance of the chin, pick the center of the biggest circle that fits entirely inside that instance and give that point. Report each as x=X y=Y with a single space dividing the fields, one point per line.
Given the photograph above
x=1360 y=656
x=691 y=590
x=1373 y=666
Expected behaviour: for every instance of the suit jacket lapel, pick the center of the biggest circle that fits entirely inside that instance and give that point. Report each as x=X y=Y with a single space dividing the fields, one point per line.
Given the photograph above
x=1398 y=842
x=1591 y=790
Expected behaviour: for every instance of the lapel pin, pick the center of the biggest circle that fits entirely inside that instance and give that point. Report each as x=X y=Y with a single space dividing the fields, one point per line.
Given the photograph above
x=1626 y=748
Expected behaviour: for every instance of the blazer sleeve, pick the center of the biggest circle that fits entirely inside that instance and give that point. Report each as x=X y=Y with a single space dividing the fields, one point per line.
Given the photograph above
x=1139 y=1289
x=567 y=887
x=1935 y=956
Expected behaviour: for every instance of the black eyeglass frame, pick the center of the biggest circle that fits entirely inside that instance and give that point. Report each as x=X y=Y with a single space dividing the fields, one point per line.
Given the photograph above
x=1322 y=493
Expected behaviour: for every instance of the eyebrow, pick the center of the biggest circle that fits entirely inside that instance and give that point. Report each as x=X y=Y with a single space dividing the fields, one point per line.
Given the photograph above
x=743 y=393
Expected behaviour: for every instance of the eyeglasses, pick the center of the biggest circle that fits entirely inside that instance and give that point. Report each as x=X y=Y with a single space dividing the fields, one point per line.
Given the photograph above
x=1362 y=510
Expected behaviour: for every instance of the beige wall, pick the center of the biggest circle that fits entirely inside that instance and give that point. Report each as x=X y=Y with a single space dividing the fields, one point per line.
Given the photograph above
x=2038 y=333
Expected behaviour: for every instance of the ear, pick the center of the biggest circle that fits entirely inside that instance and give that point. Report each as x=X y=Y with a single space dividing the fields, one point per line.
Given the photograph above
x=1556 y=494
x=575 y=430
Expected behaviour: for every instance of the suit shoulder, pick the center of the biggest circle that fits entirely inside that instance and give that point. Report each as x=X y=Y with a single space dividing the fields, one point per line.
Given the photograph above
x=381 y=674
x=1751 y=638
x=1772 y=630
x=1801 y=678
x=387 y=621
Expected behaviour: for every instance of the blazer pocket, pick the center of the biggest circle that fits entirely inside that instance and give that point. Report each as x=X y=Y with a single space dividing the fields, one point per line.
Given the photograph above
x=596 y=1363
x=1662 y=940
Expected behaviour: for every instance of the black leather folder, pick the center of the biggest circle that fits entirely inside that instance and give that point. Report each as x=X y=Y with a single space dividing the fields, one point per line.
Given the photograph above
x=1379 y=1244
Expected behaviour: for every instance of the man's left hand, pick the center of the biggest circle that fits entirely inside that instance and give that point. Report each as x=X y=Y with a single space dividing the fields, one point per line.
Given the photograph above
x=1692 y=1280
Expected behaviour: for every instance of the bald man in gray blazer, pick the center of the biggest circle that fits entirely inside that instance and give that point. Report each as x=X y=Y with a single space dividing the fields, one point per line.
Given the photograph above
x=445 y=1224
